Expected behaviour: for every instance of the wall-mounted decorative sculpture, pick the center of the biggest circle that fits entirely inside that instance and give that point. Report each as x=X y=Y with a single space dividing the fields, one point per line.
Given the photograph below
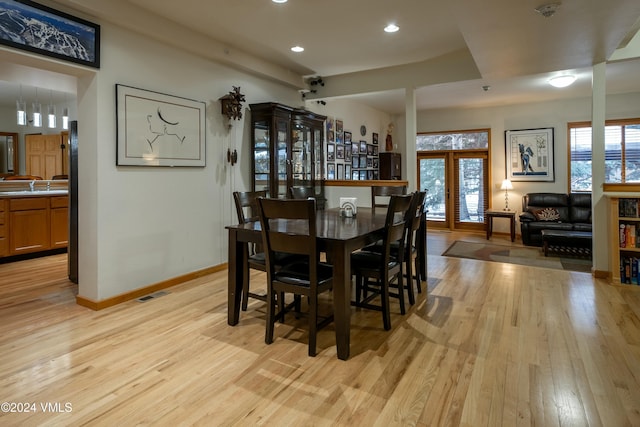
x=232 y=104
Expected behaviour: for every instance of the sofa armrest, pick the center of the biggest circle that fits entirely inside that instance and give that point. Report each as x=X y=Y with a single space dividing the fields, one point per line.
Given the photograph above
x=527 y=217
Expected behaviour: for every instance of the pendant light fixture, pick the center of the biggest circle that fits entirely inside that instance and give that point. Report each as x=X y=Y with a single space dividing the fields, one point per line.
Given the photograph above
x=51 y=112
x=21 y=110
x=37 y=112
x=65 y=118
x=65 y=114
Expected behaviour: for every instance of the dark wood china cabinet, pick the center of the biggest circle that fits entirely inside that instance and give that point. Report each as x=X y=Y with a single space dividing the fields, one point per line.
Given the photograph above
x=287 y=149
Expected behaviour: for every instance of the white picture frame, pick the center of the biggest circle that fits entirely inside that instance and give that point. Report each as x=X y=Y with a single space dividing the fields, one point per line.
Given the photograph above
x=155 y=129
x=529 y=154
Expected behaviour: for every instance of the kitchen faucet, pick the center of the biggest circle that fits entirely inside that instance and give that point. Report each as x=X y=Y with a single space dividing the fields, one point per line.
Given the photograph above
x=32 y=185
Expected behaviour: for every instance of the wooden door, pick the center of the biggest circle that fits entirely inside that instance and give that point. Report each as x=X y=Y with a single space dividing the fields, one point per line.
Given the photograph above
x=44 y=155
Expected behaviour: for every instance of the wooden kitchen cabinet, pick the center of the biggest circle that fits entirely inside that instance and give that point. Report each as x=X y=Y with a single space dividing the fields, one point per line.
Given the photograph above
x=59 y=222
x=4 y=247
x=29 y=225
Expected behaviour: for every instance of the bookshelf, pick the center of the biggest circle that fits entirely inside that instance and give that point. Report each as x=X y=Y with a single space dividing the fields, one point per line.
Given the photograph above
x=624 y=213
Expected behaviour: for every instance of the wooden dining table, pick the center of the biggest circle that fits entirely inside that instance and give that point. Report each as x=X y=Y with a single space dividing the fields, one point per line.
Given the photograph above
x=338 y=236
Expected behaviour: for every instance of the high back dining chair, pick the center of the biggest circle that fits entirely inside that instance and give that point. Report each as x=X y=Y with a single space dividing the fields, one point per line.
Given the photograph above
x=375 y=270
x=411 y=246
x=247 y=210
x=412 y=224
x=301 y=192
x=306 y=276
x=380 y=194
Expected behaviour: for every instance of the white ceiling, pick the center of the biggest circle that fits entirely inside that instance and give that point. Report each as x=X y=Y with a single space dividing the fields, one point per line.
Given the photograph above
x=514 y=49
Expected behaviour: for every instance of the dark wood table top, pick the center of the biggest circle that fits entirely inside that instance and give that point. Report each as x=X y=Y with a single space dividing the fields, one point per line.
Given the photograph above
x=331 y=225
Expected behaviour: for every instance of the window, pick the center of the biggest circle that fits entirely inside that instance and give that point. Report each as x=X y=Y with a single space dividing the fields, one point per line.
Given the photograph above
x=621 y=153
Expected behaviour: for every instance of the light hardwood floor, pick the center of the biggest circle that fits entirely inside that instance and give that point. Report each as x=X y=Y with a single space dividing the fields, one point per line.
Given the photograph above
x=490 y=344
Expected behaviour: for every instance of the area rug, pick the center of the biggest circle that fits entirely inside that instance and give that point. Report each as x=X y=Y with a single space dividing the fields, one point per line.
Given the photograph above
x=531 y=256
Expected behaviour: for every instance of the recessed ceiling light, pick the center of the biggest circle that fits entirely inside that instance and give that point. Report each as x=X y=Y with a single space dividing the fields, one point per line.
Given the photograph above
x=297 y=49
x=391 y=28
x=279 y=1
x=562 y=81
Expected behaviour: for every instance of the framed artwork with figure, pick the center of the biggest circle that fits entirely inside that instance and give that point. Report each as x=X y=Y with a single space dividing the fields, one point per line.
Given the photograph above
x=529 y=154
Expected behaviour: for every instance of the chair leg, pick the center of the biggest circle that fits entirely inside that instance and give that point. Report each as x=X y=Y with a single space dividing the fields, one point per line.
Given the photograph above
x=386 y=315
x=271 y=316
x=401 y=291
x=418 y=280
x=245 y=286
x=313 y=324
x=412 y=296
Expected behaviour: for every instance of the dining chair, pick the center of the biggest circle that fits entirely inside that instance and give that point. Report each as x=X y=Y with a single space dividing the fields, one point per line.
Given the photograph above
x=375 y=270
x=302 y=192
x=410 y=260
x=247 y=211
x=306 y=276
x=380 y=194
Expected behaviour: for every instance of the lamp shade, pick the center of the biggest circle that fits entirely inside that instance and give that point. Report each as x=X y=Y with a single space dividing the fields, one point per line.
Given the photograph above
x=506 y=185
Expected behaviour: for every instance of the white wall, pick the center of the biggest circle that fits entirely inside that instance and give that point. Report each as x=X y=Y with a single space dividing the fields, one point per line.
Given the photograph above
x=143 y=225
x=554 y=114
x=353 y=114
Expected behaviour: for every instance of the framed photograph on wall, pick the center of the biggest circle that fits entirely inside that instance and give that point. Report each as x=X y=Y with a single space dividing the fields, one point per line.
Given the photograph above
x=155 y=129
x=529 y=154
x=347 y=153
x=331 y=171
x=374 y=137
x=363 y=147
x=340 y=170
x=355 y=147
x=355 y=162
x=40 y=29
x=347 y=137
x=339 y=151
x=347 y=171
x=330 y=130
x=331 y=152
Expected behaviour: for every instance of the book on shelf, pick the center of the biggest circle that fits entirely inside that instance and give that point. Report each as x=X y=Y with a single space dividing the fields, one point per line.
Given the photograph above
x=630 y=270
x=628 y=208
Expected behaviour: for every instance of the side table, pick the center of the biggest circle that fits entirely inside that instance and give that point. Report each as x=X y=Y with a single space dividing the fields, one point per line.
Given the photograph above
x=491 y=214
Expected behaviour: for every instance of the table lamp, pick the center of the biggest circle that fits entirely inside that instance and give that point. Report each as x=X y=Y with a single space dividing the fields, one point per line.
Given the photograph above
x=506 y=186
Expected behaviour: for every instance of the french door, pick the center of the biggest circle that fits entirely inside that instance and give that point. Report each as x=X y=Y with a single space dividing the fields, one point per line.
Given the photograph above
x=457 y=188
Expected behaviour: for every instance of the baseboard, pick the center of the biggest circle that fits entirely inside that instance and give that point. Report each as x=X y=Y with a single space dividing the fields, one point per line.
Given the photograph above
x=599 y=274
x=140 y=292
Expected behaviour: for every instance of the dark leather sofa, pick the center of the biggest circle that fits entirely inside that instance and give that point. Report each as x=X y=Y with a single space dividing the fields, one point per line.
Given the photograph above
x=553 y=211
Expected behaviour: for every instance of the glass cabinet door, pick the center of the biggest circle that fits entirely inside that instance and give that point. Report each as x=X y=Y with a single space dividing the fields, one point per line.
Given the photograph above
x=318 y=157
x=262 y=158
x=301 y=155
x=282 y=158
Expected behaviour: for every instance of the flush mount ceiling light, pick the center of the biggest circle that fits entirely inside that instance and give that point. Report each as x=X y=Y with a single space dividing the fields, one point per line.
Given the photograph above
x=391 y=28
x=297 y=49
x=562 y=81
x=548 y=10
x=279 y=1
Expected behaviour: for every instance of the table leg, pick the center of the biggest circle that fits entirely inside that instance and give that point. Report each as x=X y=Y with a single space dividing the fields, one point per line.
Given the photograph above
x=342 y=298
x=489 y=226
x=422 y=249
x=236 y=262
x=513 y=229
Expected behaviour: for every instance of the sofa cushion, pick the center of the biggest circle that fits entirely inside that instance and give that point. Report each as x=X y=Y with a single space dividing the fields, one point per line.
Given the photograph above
x=546 y=214
x=537 y=226
x=580 y=210
x=580 y=226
